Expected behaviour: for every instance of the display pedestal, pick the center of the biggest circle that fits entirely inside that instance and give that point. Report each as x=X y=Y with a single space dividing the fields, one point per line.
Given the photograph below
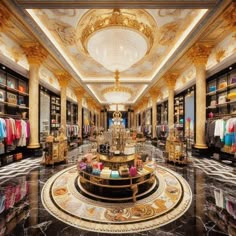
x=55 y=150
x=176 y=152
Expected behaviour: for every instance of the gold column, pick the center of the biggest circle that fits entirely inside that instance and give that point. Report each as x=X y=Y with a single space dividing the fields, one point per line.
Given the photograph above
x=170 y=80
x=98 y=118
x=63 y=79
x=199 y=55
x=102 y=118
x=129 y=118
x=35 y=55
x=105 y=118
x=134 y=116
x=79 y=94
x=154 y=95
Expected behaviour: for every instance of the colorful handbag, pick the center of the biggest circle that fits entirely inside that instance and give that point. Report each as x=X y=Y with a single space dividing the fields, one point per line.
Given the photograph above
x=223 y=85
x=212 y=88
x=222 y=99
x=233 y=80
x=133 y=171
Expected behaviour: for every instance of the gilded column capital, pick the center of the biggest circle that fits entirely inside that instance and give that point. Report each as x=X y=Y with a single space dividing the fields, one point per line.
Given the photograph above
x=63 y=78
x=79 y=92
x=199 y=53
x=4 y=17
x=145 y=102
x=170 y=79
x=155 y=93
x=34 y=52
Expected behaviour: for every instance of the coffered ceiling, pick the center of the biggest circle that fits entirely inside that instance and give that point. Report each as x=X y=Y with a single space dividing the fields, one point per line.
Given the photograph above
x=59 y=25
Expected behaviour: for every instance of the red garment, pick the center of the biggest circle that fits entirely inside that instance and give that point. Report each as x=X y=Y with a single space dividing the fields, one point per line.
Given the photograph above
x=18 y=129
x=10 y=123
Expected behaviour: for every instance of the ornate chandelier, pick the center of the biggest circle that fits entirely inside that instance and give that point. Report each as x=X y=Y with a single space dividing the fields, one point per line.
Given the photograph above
x=117 y=94
x=117 y=117
x=117 y=40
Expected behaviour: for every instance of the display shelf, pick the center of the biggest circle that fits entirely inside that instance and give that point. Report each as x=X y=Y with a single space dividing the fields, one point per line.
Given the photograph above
x=55 y=113
x=14 y=97
x=219 y=87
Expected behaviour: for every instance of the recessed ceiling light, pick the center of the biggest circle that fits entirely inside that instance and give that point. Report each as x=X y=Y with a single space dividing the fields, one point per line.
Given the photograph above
x=230 y=68
x=3 y=67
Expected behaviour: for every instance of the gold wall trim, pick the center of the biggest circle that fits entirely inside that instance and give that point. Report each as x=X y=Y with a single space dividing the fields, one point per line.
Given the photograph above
x=118 y=3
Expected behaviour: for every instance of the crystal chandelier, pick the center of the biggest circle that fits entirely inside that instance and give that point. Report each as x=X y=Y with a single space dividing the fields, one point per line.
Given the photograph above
x=117 y=117
x=117 y=94
x=117 y=40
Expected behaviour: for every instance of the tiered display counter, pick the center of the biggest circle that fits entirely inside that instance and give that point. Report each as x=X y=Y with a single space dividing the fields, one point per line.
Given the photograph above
x=117 y=188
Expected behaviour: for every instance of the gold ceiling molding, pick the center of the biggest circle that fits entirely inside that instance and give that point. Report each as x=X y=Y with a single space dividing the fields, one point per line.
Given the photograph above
x=230 y=16
x=85 y=4
x=99 y=19
x=199 y=53
x=169 y=32
x=64 y=31
x=4 y=17
x=34 y=52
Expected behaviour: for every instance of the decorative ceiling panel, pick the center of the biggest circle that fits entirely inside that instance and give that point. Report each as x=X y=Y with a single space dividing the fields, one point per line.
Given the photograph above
x=64 y=28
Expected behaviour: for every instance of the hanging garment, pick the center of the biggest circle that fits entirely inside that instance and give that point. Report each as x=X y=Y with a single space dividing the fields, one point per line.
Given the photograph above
x=3 y=132
x=219 y=128
x=22 y=139
x=219 y=198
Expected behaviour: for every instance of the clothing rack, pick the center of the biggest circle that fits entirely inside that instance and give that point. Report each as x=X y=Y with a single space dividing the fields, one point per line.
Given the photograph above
x=11 y=116
x=222 y=116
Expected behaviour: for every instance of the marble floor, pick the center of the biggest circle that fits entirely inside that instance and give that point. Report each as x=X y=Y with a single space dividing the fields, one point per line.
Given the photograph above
x=212 y=211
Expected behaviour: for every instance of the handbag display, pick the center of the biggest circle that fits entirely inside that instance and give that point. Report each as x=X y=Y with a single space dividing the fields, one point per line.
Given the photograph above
x=232 y=96
x=233 y=80
x=223 y=84
x=212 y=88
x=222 y=99
x=11 y=98
x=2 y=95
x=213 y=103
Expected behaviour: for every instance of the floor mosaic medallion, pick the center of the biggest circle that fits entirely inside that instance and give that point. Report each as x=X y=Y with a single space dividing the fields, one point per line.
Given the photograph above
x=61 y=198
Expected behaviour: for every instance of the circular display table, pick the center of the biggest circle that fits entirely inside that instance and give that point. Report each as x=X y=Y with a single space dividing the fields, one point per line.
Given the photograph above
x=113 y=187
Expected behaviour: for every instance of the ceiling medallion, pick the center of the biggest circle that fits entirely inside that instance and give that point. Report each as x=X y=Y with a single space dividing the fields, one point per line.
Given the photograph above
x=117 y=94
x=116 y=39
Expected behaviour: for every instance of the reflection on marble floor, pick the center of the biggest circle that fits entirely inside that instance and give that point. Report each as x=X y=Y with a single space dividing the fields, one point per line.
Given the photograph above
x=212 y=212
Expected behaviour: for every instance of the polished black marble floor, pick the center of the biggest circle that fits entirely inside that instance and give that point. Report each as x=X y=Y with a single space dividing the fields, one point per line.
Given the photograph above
x=212 y=212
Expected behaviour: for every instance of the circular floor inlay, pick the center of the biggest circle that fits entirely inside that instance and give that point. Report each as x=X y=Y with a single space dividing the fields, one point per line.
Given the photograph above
x=62 y=199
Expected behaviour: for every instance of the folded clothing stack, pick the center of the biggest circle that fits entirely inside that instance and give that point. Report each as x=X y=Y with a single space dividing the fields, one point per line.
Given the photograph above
x=115 y=174
x=106 y=172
